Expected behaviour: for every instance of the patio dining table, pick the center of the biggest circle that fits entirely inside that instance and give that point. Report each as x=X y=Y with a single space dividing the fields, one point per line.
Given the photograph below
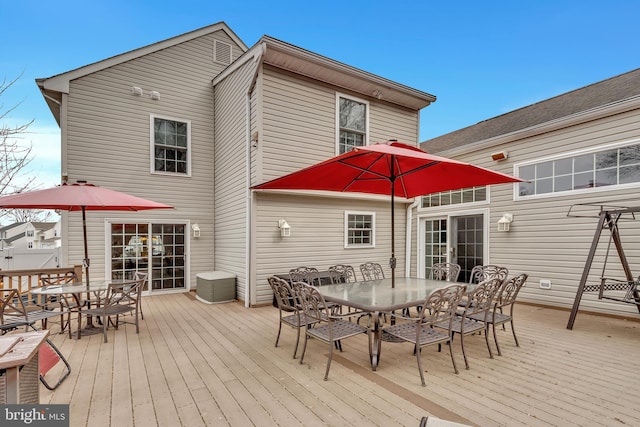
x=378 y=297
x=76 y=290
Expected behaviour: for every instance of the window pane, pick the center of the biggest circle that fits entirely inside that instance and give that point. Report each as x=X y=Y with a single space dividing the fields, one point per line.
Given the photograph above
x=359 y=229
x=606 y=177
x=563 y=166
x=352 y=114
x=544 y=170
x=526 y=189
x=583 y=180
x=629 y=174
x=168 y=135
x=544 y=185
x=562 y=183
x=607 y=159
x=528 y=172
x=630 y=155
x=583 y=163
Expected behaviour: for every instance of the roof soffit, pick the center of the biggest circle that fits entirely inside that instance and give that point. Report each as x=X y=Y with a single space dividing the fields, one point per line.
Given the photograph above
x=296 y=60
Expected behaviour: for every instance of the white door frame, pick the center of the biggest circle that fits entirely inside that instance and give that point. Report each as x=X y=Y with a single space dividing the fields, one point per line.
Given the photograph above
x=449 y=216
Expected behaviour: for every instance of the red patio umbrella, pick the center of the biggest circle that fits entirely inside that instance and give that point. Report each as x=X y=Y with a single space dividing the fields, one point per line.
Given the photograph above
x=79 y=197
x=390 y=168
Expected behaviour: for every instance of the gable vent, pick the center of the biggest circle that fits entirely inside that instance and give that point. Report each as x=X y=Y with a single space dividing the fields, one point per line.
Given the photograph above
x=221 y=52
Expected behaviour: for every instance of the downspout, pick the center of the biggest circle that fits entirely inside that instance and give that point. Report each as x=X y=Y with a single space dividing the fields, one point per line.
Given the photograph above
x=407 y=251
x=249 y=196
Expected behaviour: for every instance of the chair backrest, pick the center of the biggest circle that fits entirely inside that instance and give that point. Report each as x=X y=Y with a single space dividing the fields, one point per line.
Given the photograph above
x=342 y=273
x=441 y=304
x=509 y=290
x=127 y=293
x=284 y=294
x=480 y=300
x=312 y=302
x=480 y=273
x=66 y=278
x=307 y=275
x=371 y=271
x=12 y=306
x=445 y=271
x=139 y=275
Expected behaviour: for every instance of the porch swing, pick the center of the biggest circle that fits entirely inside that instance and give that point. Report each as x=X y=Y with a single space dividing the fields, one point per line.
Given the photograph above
x=625 y=290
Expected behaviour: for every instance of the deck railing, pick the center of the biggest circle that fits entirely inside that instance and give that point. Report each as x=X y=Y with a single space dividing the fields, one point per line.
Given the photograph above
x=25 y=280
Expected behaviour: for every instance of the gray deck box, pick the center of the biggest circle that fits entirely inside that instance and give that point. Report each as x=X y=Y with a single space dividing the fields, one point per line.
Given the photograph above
x=215 y=287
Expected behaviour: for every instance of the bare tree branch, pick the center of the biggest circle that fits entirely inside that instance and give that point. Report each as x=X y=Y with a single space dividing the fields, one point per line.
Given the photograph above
x=14 y=157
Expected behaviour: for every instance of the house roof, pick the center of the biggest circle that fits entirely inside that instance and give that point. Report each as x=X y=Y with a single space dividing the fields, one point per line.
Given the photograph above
x=10 y=226
x=52 y=87
x=43 y=226
x=614 y=89
x=317 y=67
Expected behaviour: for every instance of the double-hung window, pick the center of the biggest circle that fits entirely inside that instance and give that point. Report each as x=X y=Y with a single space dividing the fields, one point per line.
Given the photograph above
x=353 y=123
x=170 y=146
x=359 y=229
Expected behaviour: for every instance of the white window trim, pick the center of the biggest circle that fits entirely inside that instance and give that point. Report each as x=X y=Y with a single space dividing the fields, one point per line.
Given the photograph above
x=353 y=98
x=447 y=208
x=575 y=153
x=348 y=245
x=152 y=170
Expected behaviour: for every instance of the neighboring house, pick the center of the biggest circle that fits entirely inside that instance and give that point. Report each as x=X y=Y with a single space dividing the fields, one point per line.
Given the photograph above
x=194 y=122
x=30 y=235
x=579 y=147
x=29 y=245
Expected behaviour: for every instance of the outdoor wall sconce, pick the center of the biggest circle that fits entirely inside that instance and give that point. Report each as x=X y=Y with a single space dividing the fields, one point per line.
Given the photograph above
x=195 y=229
x=499 y=156
x=504 y=223
x=285 y=228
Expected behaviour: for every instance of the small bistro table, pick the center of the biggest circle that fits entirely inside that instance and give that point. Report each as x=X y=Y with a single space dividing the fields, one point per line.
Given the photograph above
x=378 y=297
x=76 y=290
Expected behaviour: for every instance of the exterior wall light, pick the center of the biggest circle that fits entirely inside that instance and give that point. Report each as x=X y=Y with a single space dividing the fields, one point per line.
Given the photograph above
x=499 y=156
x=504 y=223
x=195 y=229
x=285 y=228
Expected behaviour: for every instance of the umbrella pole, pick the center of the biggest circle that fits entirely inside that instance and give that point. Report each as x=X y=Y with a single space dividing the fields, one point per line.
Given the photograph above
x=85 y=261
x=392 y=261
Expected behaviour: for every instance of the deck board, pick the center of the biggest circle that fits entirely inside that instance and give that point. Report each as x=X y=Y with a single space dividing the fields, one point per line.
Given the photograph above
x=194 y=364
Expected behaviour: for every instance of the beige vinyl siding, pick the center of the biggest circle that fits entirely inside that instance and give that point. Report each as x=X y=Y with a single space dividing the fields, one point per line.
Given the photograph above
x=317 y=235
x=543 y=241
x=230 y=182
x=300 y=123
x=387 y=122
x=108 y=142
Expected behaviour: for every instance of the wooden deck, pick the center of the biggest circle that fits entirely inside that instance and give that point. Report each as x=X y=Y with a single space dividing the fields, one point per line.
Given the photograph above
x=195 y=364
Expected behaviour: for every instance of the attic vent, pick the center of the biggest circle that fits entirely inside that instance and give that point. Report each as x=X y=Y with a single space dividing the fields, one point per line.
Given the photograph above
x=221 y=52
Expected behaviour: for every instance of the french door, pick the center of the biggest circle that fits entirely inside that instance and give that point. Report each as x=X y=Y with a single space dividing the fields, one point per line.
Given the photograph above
x=156 y=249
x=459 y=239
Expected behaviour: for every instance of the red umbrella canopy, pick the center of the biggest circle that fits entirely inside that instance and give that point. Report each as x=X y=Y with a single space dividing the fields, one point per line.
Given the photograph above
x=390 y=168
x=79 y=196
x=83 y=197
x=372 y=168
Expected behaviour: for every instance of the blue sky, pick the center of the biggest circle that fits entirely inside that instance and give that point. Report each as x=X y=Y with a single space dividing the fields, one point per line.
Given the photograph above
x=480 y=58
